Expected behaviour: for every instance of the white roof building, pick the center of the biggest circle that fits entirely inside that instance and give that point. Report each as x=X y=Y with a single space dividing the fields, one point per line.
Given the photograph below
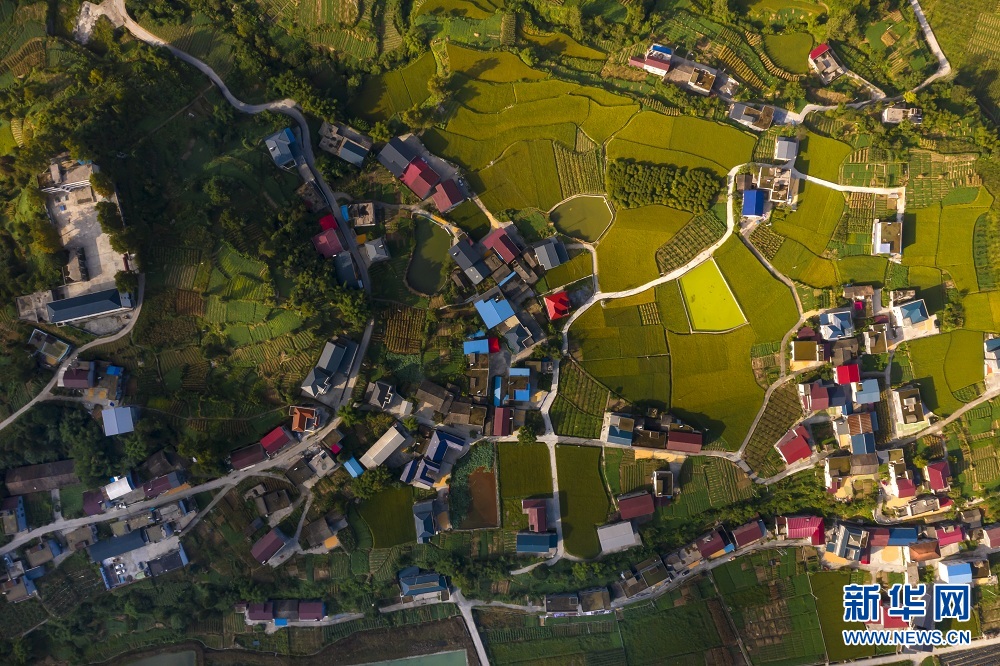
x=393 y=440
x=617 y=536
x=118 y=488
x=785 y=149
x=118 y=421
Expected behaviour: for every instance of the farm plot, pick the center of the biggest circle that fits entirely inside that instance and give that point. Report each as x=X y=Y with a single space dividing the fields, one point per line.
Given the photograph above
x=945 y=366
x=828 y=588
x=783 y=410
x=711 y=305
x=525 y=177
x=645 y=227
x=521 y=640
x=525 y=472
x=583 y=501
x=579 y=406
x=578 y=267
x=579 y=172
x=389 y=516
x=473 y=486
x=402 y=329
x=813 y=223
x=700 y=232
x=396 y=91
x=708 y=483
x=585 y=217
x=821 y=157
x=933 y=176
x=713 y=385
x=766 y=302
x=686 y=632
x=789 y=50
x=772 y=607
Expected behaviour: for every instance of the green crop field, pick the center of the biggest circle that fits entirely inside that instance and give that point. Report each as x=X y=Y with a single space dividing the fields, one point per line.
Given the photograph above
x=816 y=218
x=828 y=588
x=632 y=241
x=783 y=410
x=945 y=364
x=771 y=604
x=579 y=407
x=821 y=157
x=525 y=470
x=767 y=303
x=583 y=502
x=982 y=311
x=470 y=219
x=565 y=45
x=711 y=306
x=396 y=91
x=583 y=217
x=712 y=383
x=708 y=483
x=389 y=515
x=797 y=262
x=578 y=267
x=684 y=633
x=790 y=50
x=498 y=67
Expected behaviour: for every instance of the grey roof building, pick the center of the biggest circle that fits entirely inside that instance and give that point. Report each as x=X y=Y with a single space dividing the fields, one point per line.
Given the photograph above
x=336 y=358
x=423 y=519
x=281 y=145
x=396 y=156
x=617 y=536
x=96 y=304
x=550 y=253
x=469 y=260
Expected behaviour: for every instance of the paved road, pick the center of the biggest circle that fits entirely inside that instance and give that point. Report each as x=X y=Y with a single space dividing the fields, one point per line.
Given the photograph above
x=46 y=392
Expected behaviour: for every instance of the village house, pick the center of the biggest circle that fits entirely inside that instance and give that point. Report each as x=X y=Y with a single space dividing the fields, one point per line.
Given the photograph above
x=618 y=429
x=268 y=546
x=836 y=324
x=794 y=445
x=849 y=542
x=656 y=60
x=782 y=186
x=247 y=457
x=913 y=320
x=757 y=119
x=887 y=238
x=801 y=527
x=617 y=536
x=395 y=438
x=424 y=520
x=893 y=115
x=447 y=195
x=907 y=406
x=12 y=515
x=824 y=62
x=417 y=586
x=636 y=505
x=334 y=366
x=345 y=142
x=39 y=478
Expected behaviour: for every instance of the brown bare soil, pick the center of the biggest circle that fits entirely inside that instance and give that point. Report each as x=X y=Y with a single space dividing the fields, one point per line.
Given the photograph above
x=484 y=511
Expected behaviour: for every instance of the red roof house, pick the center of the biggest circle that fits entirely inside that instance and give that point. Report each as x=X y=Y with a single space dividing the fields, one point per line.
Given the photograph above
x=494 y=345
x=906 y=488
x=684 y=442
x=752 y=532
x=848 y=374
x=537 y=517
x=312 y=610
x=636 y=506
x=276 y=440
x=557 y=305
x=819 y=50
x=260 y=612
x=949 y=534
x=420 y=177
x=712 y=544
x=268 y=546
x=327 y=222
x=878 y=536
x=501 y=421
x=803 y=527
x=327 y=243
x=890 y=621
x=502 y=244
x=794 y=446
x=247 y=456
x=938 y=474
x=991 y=535
x=447 y=195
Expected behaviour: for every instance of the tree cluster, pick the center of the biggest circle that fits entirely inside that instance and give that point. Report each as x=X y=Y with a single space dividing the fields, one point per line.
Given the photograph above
x=632 y=184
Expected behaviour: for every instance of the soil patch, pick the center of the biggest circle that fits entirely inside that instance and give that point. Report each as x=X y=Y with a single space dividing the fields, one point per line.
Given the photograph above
x=483 y=512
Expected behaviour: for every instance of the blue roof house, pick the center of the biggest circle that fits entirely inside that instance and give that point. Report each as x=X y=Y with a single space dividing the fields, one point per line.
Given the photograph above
x=439 y=444
x=753 y=203
x=481 y=346
x=662 y=50
x=836 y=324
x=494 y=311
x=354 y=468
x=912 y=313
x=902 y=536
x=519 y=386
x=861 y=443
x=867 y=392
x=621 y=429
x=282 y=147
x=536 y=543
x=412 y=583
x=955 y=572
